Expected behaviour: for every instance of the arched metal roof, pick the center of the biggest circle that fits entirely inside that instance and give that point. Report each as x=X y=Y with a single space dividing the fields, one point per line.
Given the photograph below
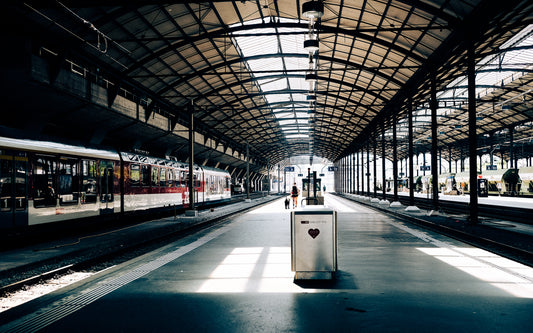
x=243 y=64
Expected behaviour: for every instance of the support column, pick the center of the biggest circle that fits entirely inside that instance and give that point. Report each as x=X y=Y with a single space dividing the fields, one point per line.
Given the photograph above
x=462 y=160
x=424 y=163
x=375 y=168
x=350 y=168
x=384 y=200
x=268 y=175
x=247 y=172
x=395 y=201
x=339 y=176
x=353 y=173
x=279 y=179
x=362 y=172
x=191 y=211
x=511 y=148
x=411 y=207
x=434 y=144
x=368 y=168
x=472 y=135
x=345 y=175
x=440 y=161
x=358 y=174
x=491 y=156
x=417 y=163
x=449 y=159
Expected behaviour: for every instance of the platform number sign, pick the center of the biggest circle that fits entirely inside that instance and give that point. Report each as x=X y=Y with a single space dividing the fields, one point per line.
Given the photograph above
x=425 y=168
x=289 y=169
x=492 y=167
x=333 y=168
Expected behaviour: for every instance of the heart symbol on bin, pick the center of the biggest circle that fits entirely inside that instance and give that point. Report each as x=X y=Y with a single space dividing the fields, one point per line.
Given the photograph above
x=313 y=232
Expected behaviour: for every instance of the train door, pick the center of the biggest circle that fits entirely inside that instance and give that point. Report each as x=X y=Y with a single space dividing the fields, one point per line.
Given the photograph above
x=106 y=186
x=13 y=190
x=198 y=191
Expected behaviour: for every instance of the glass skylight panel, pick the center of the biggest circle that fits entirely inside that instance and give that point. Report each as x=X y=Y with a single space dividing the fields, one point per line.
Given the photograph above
x=292 y=43
x=516 y=39
x=265 y=66
x=287 y=50
x=490 y=75
x=277 y=98
x=299 y=97
x=297 y=136
x=287 y=122
x=273 y=85
x=298 y=84
x=280 y=115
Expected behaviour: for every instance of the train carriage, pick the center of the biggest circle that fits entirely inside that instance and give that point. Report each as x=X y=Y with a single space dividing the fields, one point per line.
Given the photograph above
x=151 y=182
x=43 y=182
x=217 y=184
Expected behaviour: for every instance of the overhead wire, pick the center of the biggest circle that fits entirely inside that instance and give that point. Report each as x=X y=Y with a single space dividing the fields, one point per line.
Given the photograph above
x=96 y=47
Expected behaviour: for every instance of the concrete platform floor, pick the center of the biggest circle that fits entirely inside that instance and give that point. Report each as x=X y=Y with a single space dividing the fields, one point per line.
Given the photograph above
x=237 y=278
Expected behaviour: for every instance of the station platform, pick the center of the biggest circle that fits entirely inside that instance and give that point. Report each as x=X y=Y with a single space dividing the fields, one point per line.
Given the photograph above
x=503 y=201
x=237 y=277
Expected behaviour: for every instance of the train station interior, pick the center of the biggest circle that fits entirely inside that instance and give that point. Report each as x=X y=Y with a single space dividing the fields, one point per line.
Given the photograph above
x=126 y=108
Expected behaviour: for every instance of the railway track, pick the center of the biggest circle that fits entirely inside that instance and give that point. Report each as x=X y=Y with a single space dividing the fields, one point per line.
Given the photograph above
x=509 y=244
x=121 y=250
x=515 y=214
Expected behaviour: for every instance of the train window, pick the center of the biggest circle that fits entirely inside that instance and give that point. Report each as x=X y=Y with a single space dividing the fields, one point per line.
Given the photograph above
x=88 y=183
x=145 y=175
x=44 y=183
x=183 y=178
x=177 y=180
x=21 y=165
x=107 y=183
x=209 y=184
x=135 y=175
x=68 y=182
x=163 y=177
x=170 y=177
x=215 y=184
x=155 y=176
x=6 y=180
x=196 y=180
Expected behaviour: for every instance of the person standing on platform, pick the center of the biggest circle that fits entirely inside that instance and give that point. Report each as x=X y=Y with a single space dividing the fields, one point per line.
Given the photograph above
x=294 y=194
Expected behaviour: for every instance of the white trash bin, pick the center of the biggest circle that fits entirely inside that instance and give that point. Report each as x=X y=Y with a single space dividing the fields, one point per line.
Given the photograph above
x=314 y=243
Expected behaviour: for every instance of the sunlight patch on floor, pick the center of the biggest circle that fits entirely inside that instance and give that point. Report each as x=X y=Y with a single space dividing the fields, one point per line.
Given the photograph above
x=508 y=275
x=253 y=269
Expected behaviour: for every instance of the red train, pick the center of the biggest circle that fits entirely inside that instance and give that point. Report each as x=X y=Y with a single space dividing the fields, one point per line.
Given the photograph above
x=44 y=182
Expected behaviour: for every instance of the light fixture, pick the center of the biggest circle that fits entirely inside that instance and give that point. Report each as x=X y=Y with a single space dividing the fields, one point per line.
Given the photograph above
x=311 y=45
x=313 y=9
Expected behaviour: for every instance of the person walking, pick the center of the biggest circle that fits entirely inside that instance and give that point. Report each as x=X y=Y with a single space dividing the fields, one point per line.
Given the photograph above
x=294 y=194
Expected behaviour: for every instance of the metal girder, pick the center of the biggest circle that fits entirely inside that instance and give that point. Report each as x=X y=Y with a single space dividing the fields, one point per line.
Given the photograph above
x=185 y=78
x=229 y=30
